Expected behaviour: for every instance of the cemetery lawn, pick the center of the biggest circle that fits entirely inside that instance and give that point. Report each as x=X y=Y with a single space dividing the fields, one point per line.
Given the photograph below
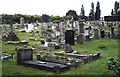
x=98 y=67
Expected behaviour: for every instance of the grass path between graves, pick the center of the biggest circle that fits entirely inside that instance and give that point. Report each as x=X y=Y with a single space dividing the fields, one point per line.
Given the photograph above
x=98 y=67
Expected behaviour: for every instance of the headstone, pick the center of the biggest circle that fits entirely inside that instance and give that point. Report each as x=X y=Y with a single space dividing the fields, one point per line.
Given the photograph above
x=57 y=28
x=30 y=27
x=57 y=33
x=80 y=39
x=95 y=33
x=24 y=54
x=108 y=34
x=81 y=27
x=69 y=37
x=80 y=32
x=112 y=31
x=11 y=28
x=87 y=34
x=22 y=22
x=102 y=25
x=12 y=36
x=68 y=48
x=102 y=32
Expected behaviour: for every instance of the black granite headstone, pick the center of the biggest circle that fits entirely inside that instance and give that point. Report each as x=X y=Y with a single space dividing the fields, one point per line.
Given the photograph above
x=69 y=37
x=112 y=31
x=102 y=32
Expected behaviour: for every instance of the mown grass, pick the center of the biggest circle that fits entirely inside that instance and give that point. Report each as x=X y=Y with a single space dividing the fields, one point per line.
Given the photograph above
x=98 y=67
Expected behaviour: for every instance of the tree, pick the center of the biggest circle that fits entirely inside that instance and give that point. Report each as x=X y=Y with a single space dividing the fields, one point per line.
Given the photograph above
x=73 y=14
x=45 y=18
x=7 y=19
x=65 y=18
x=52 y=18
x=116 y=10
x=92 y=14
x=116 y=7
x=82 y=11
x=92 y=5
x=112 y=12
x=98 y=11
x=56 y=21
x=16 y=18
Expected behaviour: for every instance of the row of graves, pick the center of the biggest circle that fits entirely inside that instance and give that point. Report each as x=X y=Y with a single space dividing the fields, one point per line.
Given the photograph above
x=84 y=31
x=57 y=61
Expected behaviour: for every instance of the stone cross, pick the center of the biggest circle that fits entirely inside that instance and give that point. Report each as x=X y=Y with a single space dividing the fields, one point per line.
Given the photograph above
x=11 y=28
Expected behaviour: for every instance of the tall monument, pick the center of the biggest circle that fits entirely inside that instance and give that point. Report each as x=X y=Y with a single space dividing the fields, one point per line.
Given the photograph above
x=12 y=36
x=22 y=22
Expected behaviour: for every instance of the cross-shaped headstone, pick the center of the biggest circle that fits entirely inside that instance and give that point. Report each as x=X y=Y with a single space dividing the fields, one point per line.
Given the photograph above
x=11 y=28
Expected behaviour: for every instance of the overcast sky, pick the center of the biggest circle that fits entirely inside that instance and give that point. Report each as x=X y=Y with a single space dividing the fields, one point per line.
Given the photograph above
x=53 y=7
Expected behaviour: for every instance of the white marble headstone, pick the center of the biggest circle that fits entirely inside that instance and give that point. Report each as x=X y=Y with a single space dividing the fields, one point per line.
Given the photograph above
x=21 y=21
x=86 y=32
x=57 y=33
x=30 y=27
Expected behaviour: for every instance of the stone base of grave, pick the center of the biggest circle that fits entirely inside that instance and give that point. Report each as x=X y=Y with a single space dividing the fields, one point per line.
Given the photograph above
x=67 y=62
x=49 y=66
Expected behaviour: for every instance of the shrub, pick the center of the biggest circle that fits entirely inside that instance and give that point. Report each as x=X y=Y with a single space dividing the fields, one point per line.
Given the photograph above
x=113 y=64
